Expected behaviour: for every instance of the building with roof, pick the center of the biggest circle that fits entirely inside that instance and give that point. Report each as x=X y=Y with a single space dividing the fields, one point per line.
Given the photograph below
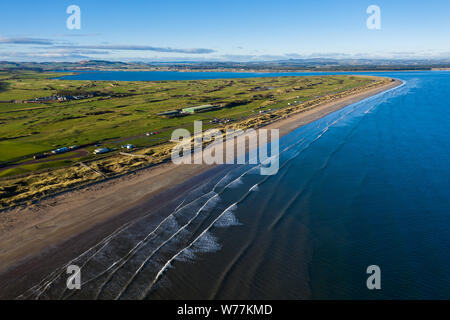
x=203 y=108
x=102 y=150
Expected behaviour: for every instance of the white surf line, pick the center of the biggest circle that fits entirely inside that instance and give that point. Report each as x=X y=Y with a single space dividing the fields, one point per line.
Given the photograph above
x=186 y=197
x=91 y=257
x=174 y=235
x=162 y=222
x=55 y=274
x=138 y=246
x=58 y=272
x=48 y=280
x=162 y=245
x=106 y=241
x=122 y=229
x=84 y=264
x=181 y=203
x=164 y=268
x=215 y=186
x=152 y=232
x=123 y=259
x=132 y=252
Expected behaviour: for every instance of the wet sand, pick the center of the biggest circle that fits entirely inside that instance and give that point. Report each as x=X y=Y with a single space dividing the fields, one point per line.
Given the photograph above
x=36 y=240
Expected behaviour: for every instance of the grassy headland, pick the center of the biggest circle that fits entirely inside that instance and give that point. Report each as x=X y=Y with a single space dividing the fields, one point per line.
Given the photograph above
x=110 y=113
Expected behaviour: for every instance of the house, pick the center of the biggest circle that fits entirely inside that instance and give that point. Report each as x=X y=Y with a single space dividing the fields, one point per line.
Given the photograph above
x=203 y=108
x=102 y=150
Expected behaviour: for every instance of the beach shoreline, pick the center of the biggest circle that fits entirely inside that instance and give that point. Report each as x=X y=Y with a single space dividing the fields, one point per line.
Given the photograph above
x=35 y=241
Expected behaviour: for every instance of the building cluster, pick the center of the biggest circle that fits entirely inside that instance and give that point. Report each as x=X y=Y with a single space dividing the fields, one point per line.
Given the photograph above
x=60 y=98
x=56 y=151
x=102 y=150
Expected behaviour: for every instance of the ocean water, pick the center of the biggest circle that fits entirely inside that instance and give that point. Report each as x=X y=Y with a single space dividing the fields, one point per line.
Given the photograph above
x=366 y=185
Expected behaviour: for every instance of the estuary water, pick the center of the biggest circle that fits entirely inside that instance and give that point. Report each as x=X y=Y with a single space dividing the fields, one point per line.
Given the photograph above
x=366 y=185
x=177 y=75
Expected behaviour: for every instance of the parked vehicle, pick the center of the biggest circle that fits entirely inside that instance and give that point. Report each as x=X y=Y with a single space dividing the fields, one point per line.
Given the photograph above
x=102 y=150
x=128 y=146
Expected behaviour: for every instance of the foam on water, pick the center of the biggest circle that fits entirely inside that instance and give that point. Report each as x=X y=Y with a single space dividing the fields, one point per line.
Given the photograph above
x=229 y=219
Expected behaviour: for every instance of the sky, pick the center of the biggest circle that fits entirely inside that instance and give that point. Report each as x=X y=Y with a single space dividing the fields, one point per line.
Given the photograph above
x=226 y=30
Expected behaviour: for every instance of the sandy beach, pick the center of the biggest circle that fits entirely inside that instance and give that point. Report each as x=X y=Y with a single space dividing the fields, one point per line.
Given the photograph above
x=35 y=240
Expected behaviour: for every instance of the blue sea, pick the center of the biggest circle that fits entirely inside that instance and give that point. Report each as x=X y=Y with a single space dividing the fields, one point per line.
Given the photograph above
x=366 y=185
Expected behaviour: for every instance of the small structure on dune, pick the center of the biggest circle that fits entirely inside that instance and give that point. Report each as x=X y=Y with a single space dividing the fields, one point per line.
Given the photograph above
x=128 y=146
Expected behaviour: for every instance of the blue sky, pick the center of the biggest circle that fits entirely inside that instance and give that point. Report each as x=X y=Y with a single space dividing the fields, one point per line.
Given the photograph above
x=222 y=30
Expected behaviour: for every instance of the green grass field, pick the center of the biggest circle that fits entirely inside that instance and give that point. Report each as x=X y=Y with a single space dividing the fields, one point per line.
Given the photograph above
x=124 y=111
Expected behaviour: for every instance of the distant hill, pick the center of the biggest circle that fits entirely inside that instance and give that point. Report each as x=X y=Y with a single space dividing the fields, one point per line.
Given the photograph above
x=318 y=64
x=65 y=66
x=313 y=65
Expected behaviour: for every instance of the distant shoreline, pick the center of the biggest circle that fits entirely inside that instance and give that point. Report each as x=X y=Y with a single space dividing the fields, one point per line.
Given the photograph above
x=247 y=71
x=38 y=240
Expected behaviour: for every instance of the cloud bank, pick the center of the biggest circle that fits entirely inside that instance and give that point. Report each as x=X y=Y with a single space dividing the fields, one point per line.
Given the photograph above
x=52 y=45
